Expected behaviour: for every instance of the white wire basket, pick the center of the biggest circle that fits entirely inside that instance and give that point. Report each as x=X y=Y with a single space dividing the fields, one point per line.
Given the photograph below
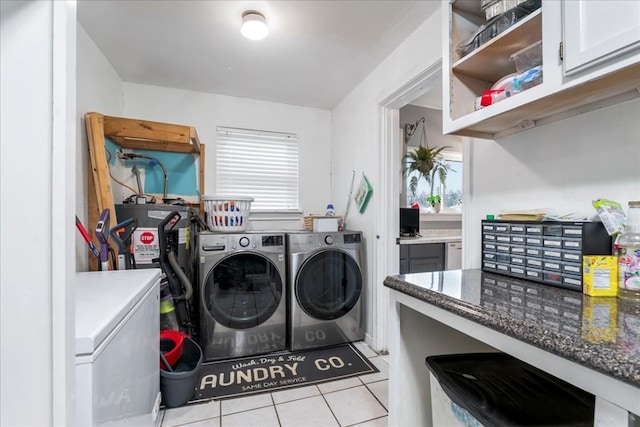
x=227 y=214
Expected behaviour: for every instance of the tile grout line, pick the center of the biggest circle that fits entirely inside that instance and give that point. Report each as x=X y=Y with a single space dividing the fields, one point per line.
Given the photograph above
x=349 y=388
x=275 y=409
x=330 y=409
x=376 y=397
x=368 y=421
x=244 y=410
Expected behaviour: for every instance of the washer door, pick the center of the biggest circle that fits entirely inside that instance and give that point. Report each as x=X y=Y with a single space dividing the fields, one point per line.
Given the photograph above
x=328 y=285
x=242 y=291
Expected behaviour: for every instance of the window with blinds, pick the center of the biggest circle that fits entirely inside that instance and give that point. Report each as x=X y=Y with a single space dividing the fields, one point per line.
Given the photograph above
x=258 y=164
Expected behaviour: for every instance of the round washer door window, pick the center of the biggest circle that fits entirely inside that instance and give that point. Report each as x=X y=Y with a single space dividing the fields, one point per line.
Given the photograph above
x=328 y=285
x=242 y=291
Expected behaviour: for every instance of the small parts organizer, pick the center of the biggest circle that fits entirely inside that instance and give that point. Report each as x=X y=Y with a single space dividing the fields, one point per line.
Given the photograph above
x=542 y=251
x=227 y=214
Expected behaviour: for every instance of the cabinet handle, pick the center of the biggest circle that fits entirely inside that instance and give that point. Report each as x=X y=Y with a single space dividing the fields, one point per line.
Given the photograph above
x=561 y=52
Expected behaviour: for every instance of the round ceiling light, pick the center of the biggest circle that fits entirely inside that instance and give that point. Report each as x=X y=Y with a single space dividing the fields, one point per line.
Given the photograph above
x=254 y=26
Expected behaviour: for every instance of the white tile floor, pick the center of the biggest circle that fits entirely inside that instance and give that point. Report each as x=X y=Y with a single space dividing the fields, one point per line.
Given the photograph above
x=357 y=401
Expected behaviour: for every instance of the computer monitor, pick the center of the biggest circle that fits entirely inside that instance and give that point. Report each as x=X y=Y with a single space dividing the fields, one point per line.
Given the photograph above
x=409 y=221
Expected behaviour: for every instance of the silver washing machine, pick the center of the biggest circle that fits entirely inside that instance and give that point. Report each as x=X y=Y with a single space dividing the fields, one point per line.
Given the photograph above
x=325 y=288
x=243 y=308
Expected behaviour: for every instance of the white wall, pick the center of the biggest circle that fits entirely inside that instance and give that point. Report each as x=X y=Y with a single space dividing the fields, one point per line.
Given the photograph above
x=99 y=89
x=37 y=73
x=561 y=166
x=433 y=128
x=355 y=136
x=206 y=111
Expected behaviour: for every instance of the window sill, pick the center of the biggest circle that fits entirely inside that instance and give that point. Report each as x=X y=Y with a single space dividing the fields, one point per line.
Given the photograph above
x=275 y=216
x=443 y=216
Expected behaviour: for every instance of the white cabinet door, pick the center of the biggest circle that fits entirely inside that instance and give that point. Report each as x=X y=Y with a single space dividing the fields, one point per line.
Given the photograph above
x=596 y=31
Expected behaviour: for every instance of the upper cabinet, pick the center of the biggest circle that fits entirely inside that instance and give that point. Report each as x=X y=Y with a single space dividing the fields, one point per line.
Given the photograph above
x=553 y=59
x=598 y=31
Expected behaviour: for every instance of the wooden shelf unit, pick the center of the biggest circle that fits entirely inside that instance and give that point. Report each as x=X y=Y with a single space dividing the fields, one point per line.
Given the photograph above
x=133 y=134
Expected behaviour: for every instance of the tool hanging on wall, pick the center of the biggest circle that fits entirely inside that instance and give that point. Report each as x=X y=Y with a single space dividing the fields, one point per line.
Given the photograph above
x=179 y=284
x=85 y=235
x=121 y=234
x=102 y=230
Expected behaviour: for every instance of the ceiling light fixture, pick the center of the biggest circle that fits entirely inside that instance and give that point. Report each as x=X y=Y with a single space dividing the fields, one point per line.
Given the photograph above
x=254 y=26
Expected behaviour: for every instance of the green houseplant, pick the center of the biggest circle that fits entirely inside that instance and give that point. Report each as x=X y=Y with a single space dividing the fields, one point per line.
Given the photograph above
x=427 y=162
x=433 y=200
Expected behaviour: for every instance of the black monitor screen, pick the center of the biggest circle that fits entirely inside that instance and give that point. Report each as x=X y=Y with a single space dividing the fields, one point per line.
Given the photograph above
x=409 y=221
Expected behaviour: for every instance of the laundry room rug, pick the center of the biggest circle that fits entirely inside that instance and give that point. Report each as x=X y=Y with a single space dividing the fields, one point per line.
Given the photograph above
x=276 y=371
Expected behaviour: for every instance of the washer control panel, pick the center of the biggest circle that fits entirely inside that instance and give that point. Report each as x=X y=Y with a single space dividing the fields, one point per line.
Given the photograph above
x=219 y=243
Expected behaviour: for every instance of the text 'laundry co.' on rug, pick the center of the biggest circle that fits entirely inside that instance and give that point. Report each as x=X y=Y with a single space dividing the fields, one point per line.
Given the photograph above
x=271 y=372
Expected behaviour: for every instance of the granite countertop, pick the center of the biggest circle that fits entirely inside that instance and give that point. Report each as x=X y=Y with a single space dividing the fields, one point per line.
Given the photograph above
x=601 y=333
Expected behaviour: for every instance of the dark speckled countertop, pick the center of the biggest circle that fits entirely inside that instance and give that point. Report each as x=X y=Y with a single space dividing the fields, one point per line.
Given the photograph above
x=601 y=333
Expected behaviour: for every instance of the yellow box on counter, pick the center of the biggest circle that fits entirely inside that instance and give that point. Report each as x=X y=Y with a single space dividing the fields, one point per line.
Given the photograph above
x=600 y=319
x=600 y=275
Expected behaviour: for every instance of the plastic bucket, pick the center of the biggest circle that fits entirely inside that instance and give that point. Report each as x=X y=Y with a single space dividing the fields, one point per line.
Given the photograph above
x=179 y=387
x=171 y=346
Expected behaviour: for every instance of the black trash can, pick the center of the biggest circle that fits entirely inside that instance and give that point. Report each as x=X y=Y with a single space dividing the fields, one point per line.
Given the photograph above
x=495 y=389
x=179 y=386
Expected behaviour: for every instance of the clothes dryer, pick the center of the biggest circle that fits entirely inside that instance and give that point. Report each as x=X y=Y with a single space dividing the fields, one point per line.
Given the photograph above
x=326 y=288
x=242 y=294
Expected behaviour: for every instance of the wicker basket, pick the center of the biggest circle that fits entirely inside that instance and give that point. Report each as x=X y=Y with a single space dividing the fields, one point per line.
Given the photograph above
x=308 y=220
x=227 y=214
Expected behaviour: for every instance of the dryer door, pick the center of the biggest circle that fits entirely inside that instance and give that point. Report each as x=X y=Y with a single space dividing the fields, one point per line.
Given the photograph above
x=242 y=291
x=328 y=284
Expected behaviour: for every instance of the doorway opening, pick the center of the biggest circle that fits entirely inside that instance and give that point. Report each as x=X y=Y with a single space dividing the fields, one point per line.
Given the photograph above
x=387 y=219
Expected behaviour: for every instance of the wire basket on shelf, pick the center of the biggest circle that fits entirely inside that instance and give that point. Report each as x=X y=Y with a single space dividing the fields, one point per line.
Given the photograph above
x=227 y=214
x=308 y=220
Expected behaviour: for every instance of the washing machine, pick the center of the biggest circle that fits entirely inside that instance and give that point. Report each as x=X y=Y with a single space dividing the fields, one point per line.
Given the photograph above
x=326 y=286
x=242 y=281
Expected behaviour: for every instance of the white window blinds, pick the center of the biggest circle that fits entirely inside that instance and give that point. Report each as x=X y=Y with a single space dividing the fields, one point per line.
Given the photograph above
x=258 y=164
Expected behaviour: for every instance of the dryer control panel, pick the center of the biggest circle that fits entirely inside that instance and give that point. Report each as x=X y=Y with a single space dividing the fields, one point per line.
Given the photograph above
x=304 y=242
x=353 y=238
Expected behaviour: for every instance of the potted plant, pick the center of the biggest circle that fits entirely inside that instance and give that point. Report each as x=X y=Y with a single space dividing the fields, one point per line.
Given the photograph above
x=435 y=202
x=427 y=162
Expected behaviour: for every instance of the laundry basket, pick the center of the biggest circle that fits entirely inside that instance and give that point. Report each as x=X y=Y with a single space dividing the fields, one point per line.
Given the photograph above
x=227 y=214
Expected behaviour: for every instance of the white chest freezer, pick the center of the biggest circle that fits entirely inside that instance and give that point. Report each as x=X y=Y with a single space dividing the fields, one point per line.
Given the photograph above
x=117 y=347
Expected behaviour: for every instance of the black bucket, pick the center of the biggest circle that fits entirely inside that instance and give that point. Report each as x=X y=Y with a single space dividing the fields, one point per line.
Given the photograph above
x=179 y=387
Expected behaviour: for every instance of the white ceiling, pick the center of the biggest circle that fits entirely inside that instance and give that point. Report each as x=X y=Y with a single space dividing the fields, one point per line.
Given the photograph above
x=316 y=53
